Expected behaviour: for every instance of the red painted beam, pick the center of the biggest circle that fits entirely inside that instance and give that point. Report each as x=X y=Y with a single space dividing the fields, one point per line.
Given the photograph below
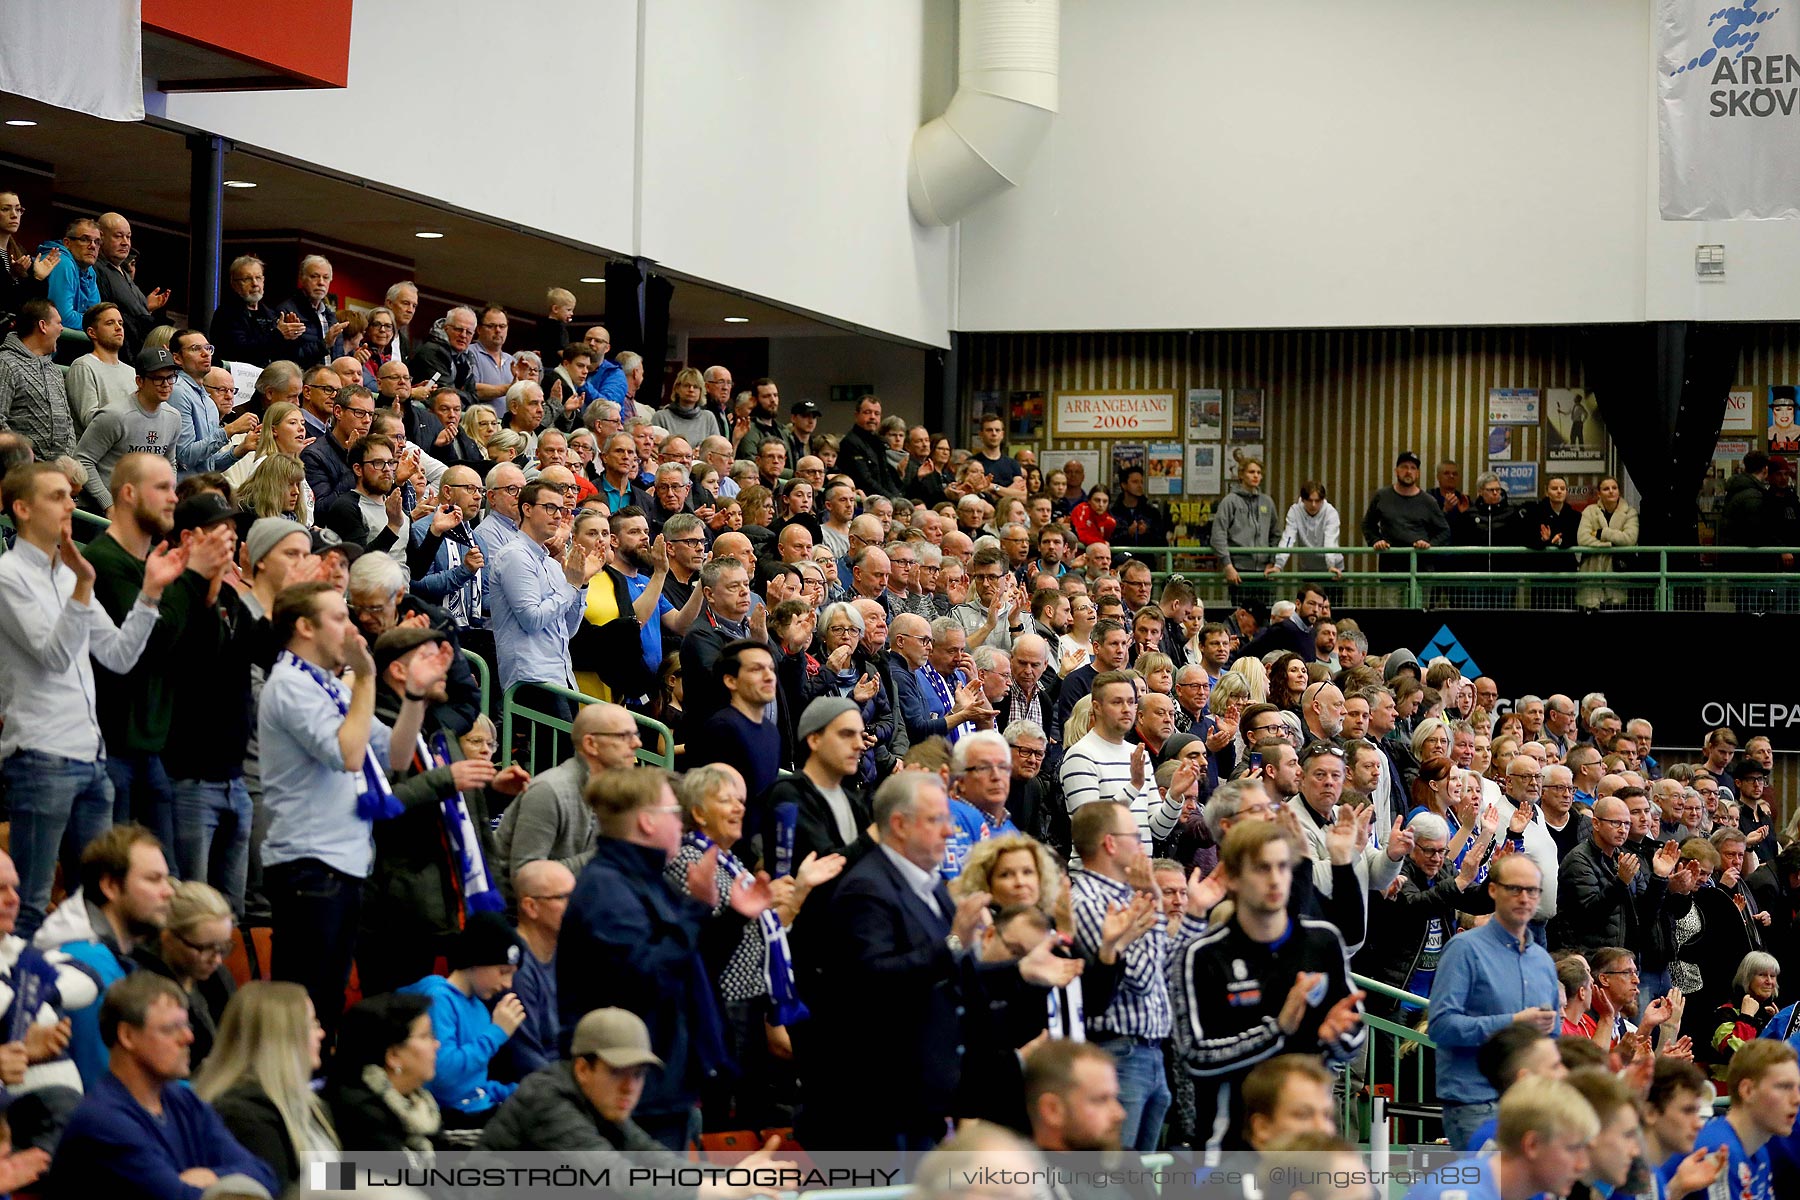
x=306 y=40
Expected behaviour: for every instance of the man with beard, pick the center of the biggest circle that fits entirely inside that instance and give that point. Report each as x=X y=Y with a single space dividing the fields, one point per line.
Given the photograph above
x=1072 y=1097
x=104 y=376
x=863 y=455
x=1323 y=707
x=246 y=328
x=1403 y=515
x=371 y=514
x=133 y=708
x=123 y=900
x=763 y=423
x=645 y=563
x=1295 y=632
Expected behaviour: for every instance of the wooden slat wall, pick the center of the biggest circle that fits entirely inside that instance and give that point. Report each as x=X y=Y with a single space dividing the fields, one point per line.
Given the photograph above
x=1340 y=403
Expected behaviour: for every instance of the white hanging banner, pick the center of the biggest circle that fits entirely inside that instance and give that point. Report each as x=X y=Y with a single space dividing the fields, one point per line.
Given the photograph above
x=1728 y=78
x=85 y=55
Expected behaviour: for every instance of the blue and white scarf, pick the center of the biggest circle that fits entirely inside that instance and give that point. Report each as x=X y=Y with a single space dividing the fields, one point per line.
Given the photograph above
x=374 y=798
x=778 y=964
x=478 y=891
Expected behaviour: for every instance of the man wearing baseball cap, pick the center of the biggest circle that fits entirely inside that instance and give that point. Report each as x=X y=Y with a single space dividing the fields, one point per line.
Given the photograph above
x=149 y=424
x=803 y=422
x=1403 y=515
x=585 y=1104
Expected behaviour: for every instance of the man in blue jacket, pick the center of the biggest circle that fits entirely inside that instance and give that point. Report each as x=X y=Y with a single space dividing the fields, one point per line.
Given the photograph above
x=73 y=285
x=140 y=1132
x=629 y=941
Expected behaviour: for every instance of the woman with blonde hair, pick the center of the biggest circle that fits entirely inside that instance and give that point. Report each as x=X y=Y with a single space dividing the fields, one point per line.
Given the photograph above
x=191 y=949
x=1158 y=671
x=259 y=1077
x=505 y=446
x=283 y=432
x=1255 y=675
x=1015 y=868
x=1081 y=719
x=278 y=489
x=479 y=423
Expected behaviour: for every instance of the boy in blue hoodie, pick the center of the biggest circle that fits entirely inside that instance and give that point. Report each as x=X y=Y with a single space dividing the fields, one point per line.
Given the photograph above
x=482 y=961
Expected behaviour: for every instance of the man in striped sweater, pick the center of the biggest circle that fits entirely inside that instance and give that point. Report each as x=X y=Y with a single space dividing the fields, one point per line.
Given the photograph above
x=1103 y=766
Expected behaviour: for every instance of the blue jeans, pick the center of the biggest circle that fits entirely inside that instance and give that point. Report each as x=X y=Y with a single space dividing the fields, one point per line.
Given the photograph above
x=59 y=805
x=142 y=793
x=1143 y=1090
x=212 y=834
x=1462 y=1120
x=1652 y=984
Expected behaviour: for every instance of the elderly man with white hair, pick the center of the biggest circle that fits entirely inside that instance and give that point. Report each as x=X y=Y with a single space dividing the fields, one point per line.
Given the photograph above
x=320 y=340
x=1411 y=920
x=448 y=353
x=980 y=781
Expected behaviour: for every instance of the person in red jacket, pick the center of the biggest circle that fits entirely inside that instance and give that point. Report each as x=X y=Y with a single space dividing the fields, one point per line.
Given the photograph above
x=1090 y=520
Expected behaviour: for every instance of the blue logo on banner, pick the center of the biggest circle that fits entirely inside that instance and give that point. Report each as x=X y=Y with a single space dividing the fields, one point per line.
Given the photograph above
x=1444 y=642
x=1731 y=33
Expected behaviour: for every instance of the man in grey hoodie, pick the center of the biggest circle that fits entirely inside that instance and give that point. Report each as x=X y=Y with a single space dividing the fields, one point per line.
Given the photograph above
x=148 y=425
x=32 y=400
x=1245 y=517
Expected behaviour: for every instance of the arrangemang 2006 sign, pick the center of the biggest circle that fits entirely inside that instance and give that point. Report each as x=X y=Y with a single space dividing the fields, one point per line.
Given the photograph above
x=1113 y=414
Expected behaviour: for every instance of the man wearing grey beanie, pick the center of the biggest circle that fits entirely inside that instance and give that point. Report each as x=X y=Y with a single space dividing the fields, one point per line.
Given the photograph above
x=819 y=809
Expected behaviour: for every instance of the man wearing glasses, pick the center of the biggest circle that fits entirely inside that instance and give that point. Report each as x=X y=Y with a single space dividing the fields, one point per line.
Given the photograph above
x=371 y=514
x=1488 y=978
x=205 y=443
x=147 y=424
x=1524 y=829
x=980 y=781
x=537 y=599
x=327 y=460
x=1600 y=899
x=73 y=285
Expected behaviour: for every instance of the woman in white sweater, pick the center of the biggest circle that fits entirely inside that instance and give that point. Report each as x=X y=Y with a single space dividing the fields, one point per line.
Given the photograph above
x=1606 y=524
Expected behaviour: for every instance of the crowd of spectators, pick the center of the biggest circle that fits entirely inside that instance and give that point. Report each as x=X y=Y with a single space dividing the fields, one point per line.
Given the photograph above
x=973 y=819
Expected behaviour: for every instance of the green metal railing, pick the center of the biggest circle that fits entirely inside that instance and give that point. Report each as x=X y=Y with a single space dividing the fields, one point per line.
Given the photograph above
x=658 y=749
x=1384 y=1071
x=483 y=675
x=1649 y=578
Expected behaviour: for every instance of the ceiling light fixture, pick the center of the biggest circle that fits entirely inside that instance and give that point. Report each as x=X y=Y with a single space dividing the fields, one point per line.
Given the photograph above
x=239 y=183
x=21 y=123
x=428 y=234
x=593 y=279
x=737 y=320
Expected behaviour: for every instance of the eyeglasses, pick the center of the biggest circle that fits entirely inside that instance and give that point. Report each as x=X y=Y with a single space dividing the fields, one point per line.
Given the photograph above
x=1518 y=889
x=553 y=898
x=1026 y=752
x=1627 y=972
x=226 y=390
x=631 y=734
x=994 y=769
x=379 y=464
x=1615 y=822
x=220 y=949
x=555 y=510
x=690 y=541
x=511 y=489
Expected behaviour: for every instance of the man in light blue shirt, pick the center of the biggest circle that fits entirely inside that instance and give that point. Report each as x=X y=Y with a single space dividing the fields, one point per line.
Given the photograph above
x=205 y=443
x=537 y=602
x=1487 y=979
x=50 y=624
x=325 y=760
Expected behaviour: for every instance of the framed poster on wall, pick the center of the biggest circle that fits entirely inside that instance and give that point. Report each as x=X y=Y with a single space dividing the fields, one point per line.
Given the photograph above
x=1574 y=438
x=1205 y=414
x=1113 y=414
x=1247 y=414
x=1162 y=469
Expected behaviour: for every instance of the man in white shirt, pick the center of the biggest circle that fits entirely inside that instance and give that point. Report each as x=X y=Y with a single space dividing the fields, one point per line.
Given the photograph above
x=54 y=760
x=1103 y=766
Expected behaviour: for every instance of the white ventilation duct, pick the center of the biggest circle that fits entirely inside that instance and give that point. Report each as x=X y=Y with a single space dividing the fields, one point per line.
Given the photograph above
x=1005 y=96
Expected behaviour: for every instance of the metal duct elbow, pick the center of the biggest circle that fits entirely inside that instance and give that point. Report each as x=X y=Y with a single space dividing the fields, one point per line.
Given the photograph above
x=1005 y=96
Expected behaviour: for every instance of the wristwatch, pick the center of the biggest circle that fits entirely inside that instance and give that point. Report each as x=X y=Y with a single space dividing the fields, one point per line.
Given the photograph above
x=954 y=943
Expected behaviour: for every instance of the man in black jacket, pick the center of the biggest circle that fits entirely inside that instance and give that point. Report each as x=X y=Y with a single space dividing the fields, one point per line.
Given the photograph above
x=321 y=336
x=821 y=808
x=246 y=328
x=449 y=355
x=1294 y=632
x=863 y=455
x=1599 y=899
x=1410 y=926
x=895 y=942
x=630 y=941
x=119 y=287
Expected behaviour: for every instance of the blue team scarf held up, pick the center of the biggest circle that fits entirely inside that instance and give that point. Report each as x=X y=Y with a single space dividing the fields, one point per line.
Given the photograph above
x=478 y=890
x=778 y=964
x=374 y=798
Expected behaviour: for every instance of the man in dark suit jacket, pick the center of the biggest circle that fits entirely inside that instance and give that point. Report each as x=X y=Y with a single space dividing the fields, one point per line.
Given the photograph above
x=1294 y=632
x=882 y=1057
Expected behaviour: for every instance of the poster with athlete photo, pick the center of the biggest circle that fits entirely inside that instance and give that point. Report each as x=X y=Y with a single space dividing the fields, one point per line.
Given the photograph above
x=1125 y=455
x=1203 y=475
x=1162 y=469
x=1205 y=414
x=1247 y=414
x=1574 y=438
